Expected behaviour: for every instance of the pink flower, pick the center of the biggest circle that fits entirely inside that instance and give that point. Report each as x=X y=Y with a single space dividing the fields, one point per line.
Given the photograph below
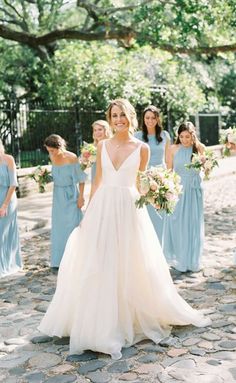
x=153 y=186
x=86 y=154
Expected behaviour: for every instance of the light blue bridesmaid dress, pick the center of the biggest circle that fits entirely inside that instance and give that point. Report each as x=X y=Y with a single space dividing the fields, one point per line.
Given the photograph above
x=157 y=158
x=65 y=213
x=10 y=260
x=184 y=229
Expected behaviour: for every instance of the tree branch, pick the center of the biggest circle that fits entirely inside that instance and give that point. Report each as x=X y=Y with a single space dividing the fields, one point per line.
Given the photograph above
x=90 y=8
x=70 y=34
x=95 y=11
x=109 y=11
x=7 y=13
x=13 y=8
x=123 y=33
x=196 y=50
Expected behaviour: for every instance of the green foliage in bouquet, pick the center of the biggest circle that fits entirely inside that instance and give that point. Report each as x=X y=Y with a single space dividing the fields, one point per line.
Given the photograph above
x=160 y=188
x=205 y=162
x=88 y=155
x=42 y=177
x=227 y=136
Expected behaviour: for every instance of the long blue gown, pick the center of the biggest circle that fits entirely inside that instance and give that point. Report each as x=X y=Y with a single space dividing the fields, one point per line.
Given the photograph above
x=184 y=229
x=65 y=213
x=157 y=158
x=10 y=259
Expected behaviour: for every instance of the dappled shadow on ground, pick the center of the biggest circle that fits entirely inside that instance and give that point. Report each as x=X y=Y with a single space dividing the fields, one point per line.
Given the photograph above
x=25 y=297
x=221 y=222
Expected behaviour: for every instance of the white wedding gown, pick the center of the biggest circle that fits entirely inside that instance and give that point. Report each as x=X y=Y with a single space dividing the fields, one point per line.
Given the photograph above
x=114 y=287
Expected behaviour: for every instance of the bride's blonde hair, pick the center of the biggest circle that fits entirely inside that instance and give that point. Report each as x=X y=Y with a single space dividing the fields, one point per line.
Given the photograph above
x=128 y=109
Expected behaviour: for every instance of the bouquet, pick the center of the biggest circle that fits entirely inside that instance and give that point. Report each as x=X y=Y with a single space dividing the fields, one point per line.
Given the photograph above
x=88 y=155
x=227 y=137
x=42 y=176
x=160 y=188
x=205 y=162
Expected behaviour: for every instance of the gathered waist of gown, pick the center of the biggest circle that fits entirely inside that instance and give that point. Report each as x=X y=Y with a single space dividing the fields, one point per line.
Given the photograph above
x=194 y=181
x=192 y=176
x=64 y=185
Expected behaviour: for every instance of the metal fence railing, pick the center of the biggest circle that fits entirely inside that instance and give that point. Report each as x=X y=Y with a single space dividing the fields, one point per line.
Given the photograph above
x=25 y=125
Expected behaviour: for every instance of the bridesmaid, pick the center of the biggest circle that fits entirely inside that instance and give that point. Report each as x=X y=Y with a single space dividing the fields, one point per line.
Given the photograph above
x=101 y=130
x=184 y=229
x=232 y=147
x=67 y=200
x=10 y=260
x=159 y=142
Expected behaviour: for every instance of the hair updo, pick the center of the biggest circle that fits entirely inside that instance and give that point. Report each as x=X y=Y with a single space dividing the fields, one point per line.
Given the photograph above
x=55 y=141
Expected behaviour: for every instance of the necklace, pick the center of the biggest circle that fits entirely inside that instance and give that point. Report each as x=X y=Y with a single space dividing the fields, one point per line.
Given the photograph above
x=118 y=146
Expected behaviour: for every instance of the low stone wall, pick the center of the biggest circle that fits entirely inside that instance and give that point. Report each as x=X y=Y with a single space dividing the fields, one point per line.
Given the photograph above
x=217 y=149
x=28 y=186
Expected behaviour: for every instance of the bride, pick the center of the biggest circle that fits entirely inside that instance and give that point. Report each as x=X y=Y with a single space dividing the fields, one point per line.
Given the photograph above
x=114 y=287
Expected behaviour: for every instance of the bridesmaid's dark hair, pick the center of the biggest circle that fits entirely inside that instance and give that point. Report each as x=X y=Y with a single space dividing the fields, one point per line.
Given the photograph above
x=188 y=126
x=158 y=127
x=55 y=141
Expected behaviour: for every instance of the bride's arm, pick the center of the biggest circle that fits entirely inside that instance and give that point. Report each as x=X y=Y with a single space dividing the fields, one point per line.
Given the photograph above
x=144 y=157
x=98 y=176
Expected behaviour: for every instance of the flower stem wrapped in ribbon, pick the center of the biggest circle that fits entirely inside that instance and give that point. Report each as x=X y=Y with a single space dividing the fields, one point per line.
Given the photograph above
x=160 y=188
x=88 y=155
x=42 y=176
x=205 y=162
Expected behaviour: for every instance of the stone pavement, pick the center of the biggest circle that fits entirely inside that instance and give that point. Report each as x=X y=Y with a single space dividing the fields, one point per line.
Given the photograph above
x=191 y=355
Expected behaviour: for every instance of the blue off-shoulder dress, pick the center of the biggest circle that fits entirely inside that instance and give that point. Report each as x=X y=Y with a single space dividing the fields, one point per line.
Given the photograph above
x=65 y=213
x=10 y=259
x=157 y=158
x=184 y=229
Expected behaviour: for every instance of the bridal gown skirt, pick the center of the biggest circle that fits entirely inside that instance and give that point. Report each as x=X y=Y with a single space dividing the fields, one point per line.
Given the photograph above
x=114 y=287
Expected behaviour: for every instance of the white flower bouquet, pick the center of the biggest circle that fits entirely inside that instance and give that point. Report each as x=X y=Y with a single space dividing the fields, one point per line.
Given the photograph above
x=160 y=188
x=42 y=177
x=227 y=137
x=203 y=162
x=88 y=155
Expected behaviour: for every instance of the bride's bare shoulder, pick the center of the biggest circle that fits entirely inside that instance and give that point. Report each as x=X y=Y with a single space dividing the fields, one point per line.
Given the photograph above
x=101 y=143
x=139 y=142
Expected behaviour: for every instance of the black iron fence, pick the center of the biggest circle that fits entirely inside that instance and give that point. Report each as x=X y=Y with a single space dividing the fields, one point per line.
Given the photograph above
x=24 y=127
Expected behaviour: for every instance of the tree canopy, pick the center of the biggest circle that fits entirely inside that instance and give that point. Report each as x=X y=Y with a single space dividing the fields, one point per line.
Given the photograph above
x=146 y=50
x=176 y=26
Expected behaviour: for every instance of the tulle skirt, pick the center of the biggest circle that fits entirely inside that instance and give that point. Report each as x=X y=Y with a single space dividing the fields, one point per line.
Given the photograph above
x=114 y=287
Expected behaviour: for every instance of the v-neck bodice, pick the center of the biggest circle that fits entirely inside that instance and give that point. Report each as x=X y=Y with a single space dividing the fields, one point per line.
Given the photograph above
x=125 y=175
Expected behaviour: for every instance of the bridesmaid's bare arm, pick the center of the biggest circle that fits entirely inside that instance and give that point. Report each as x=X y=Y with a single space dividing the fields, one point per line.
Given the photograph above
x=169 y=156
x=167 y=148
x=144 y=157
x=98 y=176
x=80 y=201
x=11 y=166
